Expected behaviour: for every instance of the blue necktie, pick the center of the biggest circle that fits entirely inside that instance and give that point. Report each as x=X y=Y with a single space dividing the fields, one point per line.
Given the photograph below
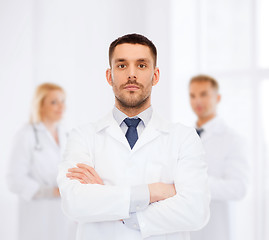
x=131 y=133
x=199 y=131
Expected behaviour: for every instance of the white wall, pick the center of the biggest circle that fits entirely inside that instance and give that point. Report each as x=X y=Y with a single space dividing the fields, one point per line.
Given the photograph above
x=66 y=42
x=16 y=81
x=71 y=41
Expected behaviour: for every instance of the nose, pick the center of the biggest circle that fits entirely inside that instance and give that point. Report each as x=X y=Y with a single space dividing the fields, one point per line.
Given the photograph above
x=132 y=73
x=198 y=102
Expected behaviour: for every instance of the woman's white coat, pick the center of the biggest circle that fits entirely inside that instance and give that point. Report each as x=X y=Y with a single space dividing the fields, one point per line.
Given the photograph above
x=32 y=170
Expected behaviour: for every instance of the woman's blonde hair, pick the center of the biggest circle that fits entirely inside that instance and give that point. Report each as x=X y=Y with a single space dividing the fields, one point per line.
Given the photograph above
x=40 y=94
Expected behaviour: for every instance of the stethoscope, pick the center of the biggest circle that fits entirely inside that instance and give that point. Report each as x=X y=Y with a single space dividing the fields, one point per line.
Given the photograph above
x=38 y=146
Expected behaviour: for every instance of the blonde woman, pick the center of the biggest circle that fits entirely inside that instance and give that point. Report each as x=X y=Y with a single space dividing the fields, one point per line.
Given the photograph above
x=33 y=168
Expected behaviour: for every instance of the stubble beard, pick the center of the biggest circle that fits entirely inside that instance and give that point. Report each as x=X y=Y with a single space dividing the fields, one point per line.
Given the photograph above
x=132 y=103
x=131 y=100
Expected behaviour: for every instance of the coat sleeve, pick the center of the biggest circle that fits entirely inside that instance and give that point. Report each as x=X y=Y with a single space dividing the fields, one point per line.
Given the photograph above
x=234 y=182
x=188 y=210
x=18 y=178
x=89 y=202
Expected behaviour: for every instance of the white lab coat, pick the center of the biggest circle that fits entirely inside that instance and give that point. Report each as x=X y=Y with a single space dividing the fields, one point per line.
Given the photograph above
x=31 y=170
x=165 y=152
x=228 y=177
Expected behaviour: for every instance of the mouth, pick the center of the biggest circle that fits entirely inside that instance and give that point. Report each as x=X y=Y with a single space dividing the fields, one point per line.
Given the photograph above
x=131 y=88
x=199 y=109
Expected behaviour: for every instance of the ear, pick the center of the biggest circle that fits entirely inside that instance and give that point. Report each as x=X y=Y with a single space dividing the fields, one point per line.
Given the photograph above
x=156 y=76
x=218 y=98
x=109 y=76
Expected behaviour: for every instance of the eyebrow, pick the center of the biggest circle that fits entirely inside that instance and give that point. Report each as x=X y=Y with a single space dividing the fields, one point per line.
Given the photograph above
x=120 y=60
x=143 y=60
x=138 y=60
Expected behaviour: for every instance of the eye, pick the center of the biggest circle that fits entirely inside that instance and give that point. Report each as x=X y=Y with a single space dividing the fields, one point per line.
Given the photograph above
x=53 y=102
x=142 y=65
x=121 y=66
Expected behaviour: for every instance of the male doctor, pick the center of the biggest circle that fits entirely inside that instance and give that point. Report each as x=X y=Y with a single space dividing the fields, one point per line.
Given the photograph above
x=225 y=155
x=133 y=175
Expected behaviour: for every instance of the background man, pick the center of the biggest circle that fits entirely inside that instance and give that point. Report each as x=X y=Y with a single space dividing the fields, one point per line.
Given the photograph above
x=225 y=155
x=133 y=175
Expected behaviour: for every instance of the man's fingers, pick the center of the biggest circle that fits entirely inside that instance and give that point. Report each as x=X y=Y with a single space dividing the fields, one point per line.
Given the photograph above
x=82 y=171
x=87 y=171
x=78 y=176
x=172 y=190
x=80 y=180
x=81 y=176
x=83 y=165
x=91 y=170
x=79 y=170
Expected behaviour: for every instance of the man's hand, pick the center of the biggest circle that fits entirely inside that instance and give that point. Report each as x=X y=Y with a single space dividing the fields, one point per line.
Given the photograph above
x=161 y=191
x=85 y=174
x=56 y=192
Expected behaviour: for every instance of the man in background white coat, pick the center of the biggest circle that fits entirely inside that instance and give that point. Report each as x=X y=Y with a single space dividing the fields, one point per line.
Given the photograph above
x=133 y=175
x=225 y=156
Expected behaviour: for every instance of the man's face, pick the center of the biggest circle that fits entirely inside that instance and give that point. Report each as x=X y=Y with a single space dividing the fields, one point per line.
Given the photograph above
x=132 y=75
x=204 y=99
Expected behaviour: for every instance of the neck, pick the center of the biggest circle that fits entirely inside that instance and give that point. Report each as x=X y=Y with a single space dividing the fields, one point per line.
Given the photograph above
x=203 y=120
x=132 y=111
x=52 y=128
x=50 y=125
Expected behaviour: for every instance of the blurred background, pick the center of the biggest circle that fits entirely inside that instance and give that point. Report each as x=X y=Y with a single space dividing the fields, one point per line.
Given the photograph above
x=66 y=42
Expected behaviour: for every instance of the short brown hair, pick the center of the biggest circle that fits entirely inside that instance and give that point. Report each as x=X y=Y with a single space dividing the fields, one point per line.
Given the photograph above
x=205 y=78
x=133 y=38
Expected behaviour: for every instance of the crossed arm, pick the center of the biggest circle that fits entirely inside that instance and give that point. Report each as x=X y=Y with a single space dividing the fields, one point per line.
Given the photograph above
x=185 y=205
x=87 y=175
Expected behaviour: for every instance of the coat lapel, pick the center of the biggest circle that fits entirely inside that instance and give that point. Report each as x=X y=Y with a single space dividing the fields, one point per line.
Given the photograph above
x=41 y=128
x=110 y=126
x=155 y=128
x=213 y=128
x=115 y=132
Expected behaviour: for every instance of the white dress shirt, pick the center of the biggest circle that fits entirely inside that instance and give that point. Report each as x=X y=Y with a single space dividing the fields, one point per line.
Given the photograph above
x=139 y=194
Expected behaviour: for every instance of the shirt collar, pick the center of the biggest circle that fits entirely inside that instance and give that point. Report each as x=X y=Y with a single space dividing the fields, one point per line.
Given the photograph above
x=39 y=126
x=211 y=124
x=145 y=116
